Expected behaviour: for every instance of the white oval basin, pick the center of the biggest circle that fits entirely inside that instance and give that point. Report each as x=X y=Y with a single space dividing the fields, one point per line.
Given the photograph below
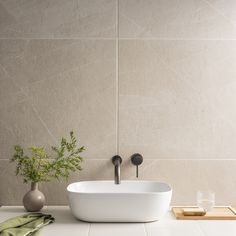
x=130 y=201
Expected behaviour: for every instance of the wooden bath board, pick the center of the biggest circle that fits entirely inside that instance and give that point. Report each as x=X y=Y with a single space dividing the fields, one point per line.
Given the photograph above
x=218 y=213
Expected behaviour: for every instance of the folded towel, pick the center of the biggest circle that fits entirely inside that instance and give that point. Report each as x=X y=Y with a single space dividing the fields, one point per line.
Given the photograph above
x=24 y=225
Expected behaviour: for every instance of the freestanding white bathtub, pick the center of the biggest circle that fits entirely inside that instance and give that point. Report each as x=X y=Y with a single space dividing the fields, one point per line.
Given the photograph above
x=130 y=201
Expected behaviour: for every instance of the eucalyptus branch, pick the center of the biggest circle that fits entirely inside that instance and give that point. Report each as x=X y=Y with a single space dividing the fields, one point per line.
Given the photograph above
x=40 y=167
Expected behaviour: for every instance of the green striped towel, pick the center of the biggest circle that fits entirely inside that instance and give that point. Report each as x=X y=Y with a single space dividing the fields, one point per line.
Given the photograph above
x=24 y=225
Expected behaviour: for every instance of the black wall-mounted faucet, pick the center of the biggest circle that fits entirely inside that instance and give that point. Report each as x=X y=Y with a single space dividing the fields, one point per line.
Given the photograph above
x=116 y=160
x=137 y=159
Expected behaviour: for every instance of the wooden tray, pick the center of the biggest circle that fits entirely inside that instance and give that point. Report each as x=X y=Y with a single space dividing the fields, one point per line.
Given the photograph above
x=218 y=213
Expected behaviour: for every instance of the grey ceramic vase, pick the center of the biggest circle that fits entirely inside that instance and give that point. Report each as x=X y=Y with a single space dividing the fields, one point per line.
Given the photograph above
x=34 y=199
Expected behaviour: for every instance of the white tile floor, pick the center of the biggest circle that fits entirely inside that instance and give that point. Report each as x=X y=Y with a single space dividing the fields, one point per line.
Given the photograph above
x=66 y=224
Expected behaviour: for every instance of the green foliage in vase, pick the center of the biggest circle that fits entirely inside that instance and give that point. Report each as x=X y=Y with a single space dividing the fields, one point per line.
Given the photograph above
x=41 y=167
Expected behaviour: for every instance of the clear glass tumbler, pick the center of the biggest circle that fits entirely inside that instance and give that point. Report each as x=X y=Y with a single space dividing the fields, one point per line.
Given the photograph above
x=206 y=200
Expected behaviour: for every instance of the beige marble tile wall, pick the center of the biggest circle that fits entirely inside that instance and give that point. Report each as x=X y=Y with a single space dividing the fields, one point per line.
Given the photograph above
x=149 y=76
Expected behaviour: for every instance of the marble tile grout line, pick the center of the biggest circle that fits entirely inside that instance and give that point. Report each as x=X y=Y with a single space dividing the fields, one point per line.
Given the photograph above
x=125 y=38
x=117 y=78
x=89 y=227
x=145 y=229
x=64 y=38
x=178 y=39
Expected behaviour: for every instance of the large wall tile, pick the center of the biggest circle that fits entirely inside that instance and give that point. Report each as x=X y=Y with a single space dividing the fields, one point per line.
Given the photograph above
x=28 y=61
x=71 y=86
x=185 y=178
x=21 y=124
x=177 y=99
x=174 y=19
x=57 y=19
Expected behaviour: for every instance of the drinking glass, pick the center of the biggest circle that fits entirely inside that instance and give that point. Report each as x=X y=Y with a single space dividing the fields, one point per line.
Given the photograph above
x=206 y=200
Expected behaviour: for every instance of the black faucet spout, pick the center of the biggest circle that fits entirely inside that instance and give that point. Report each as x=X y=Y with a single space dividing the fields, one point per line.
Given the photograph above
x=116 y=160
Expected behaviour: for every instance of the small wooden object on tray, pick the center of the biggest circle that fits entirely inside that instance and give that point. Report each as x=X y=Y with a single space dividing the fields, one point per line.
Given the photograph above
x=217 y=213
